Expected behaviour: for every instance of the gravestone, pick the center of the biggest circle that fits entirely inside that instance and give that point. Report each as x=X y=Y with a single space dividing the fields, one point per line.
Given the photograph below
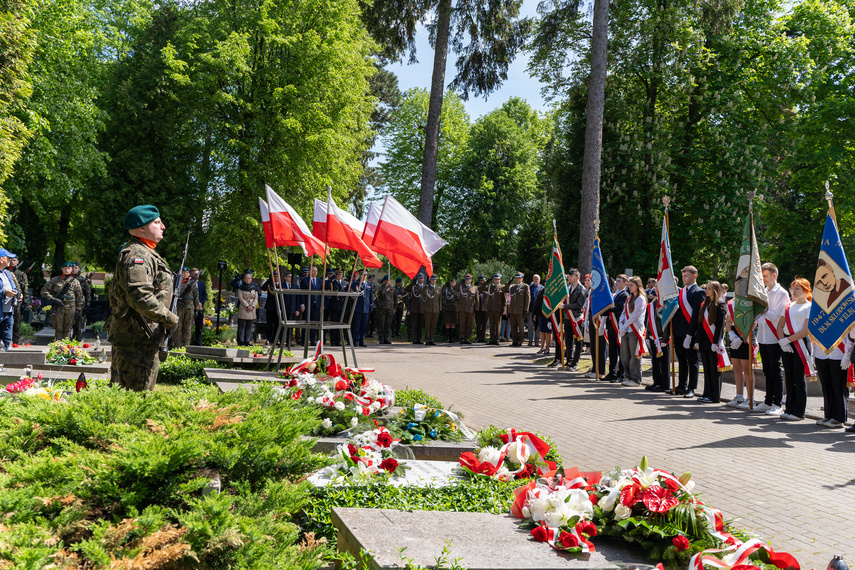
x=430 y=450
x=420 y=474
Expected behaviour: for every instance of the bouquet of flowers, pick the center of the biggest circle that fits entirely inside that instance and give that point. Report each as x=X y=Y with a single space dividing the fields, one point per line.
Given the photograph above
x=69 y=353
x=35 y=387
x=522 y=455
x=422 y=423
x=365 y=457
x=559 y=510
x=346 y=395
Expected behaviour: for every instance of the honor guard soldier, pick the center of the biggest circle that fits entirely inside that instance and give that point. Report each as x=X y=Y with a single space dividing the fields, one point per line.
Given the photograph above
x=86 y=287
x=23 y=287
x=468 y=297
x=384 y=305
x=66 y=296
x=495 y=297
x=416 y=313
x=431 y=301
x=517 y=307
x=188 y=300
x=400 y=306
x=140 y=296
x=481 y=310
x=450 y=295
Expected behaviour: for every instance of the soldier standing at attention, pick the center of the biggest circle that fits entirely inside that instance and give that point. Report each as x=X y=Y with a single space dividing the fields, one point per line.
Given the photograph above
x=517 y=308
x=140 y=296
x=188 y=300
x=495 y=297
x=416 y=313
x=450 y=295
x=400 y=306
x=23 y=286
x=468 y=294
x=66 y=296
x=385 y=308
x=86 y=287
x=431 y=301
x=481 y=310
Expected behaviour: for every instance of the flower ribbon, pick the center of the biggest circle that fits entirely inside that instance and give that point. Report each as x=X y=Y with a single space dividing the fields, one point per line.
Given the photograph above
x=738 y=555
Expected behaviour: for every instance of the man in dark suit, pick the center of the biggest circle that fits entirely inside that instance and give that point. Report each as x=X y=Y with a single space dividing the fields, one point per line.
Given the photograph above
x=685 y=322
x=310 y=306
x=337 y=304
x=615 y=366
x=575 y=304
x=200 y=308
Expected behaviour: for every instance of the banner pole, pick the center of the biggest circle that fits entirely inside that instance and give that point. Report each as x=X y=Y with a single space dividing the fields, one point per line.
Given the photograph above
x=751 y=369
x=561 y=336
x=673 y=384
x=596 y=322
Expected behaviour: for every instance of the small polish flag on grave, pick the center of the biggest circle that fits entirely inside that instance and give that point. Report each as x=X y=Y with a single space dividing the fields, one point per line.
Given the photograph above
x=287 y=227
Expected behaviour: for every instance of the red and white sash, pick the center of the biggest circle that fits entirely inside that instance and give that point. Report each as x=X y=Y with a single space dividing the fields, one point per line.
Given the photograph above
x=685 y=306
x=615 y=327
x=639 y=334
x=723 y=359
x=800 y=345
x=651 y=324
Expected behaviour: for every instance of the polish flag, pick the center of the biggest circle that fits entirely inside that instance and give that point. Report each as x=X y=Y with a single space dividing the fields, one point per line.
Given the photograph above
x=371 y=222
x=288 y=228
x=265 y=223
x=342 y=230
x=407 y=242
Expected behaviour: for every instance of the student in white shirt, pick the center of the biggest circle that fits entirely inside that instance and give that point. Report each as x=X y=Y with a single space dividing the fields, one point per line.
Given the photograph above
x=796 y=357
x=767 y=339
x=631 y=329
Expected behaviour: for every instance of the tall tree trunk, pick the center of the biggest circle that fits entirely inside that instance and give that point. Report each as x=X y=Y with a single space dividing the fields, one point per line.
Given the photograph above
x=437 y=90
x=590 y=210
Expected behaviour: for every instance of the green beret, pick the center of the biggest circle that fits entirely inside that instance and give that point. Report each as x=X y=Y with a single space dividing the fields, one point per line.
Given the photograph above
x=75 y=264
x=140 y=216
x=187 y=269
x=68 y=264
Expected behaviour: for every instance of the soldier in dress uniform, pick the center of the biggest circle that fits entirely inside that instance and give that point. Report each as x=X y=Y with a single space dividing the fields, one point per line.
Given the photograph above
x=495 y=299
x=23 y=284
x=140 y=297
x=188 y=300
x=450 y=294
x=431 y=300
x=66 y=296
x=337 y=304
x=468 y=298
x=481 y=310
x=517 y=308
x=401 y=299
x=86 y=287
x=384 y=306
x=416 y=313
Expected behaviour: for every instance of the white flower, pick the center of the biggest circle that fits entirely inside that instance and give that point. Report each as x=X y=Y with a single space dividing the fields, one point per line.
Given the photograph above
x=374 y=407
x=362 y=472
x=327 y=423
x=354 y=421
x=622 y=512
x=489 y=454
x=339 y=405
x=503 y=474
x=518 y=452
x=310 y=400
x=419 y=412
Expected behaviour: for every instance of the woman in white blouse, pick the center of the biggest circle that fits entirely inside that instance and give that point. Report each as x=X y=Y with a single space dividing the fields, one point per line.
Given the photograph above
x=796 y=357
x=631 y=329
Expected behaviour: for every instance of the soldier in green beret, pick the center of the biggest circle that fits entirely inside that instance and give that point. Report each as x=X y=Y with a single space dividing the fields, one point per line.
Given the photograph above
x=140 y=297
x=66 y=296
x=188 y=299
x=86 y=287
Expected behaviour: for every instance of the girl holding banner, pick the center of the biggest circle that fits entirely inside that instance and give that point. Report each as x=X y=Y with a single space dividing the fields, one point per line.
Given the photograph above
x=796 y=356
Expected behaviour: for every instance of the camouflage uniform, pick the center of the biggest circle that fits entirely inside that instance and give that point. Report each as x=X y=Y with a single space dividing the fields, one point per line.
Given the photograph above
x=23 y=285
x=80 y=321
x=140 y=295
x=384 y=306
x=62 y=317
x=188 y=300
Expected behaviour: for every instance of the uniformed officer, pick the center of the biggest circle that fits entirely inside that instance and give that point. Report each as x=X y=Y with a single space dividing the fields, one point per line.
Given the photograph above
x=401 y=299
x=384 y=305
x=416 y=313
x=517 y=307
x=188 y=300
x=23 y=286
x=66 y=296
x=495 y=300
x=481 y=310
x=431 y=300
x=86 y=288
x=450 y=295
x=140 y=296
x=468 y=297
x=337 y=305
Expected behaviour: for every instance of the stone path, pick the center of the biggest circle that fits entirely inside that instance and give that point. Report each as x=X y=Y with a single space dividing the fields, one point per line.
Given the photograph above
x=793 y=483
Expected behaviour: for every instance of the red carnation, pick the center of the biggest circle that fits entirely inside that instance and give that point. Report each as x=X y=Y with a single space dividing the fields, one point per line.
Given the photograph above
x=73 y=361
x=469 y=461
x=86 y=345
x=14 y=345
x=340 y=385
x=593 y=498
x=292 y=382
x=389 y=465
x=681 y=542
x=384 y=439
x=351 y=449
x=527 y=472
x=349 y=397
x=659 y=499
x=540 y=533
x=586 y=527
x=672 y=485
x=630 y=495
x=296 y=395
x=568 y=540
x=366 y=411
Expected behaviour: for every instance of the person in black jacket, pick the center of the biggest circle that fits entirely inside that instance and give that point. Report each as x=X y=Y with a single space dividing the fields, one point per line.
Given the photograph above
x=616 y=371
x=655 y=331
x=691 y=296
x=707 y=337
x=310 y=306
x=575 y=304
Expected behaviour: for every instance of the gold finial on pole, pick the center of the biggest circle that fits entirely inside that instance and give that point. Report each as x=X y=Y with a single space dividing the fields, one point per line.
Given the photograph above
x=554 y=225
x=597 y=225
x=829 y=195
x=666 y=200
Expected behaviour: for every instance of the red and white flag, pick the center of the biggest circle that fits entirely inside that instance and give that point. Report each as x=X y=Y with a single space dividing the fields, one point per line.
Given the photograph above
x=265 y=223
x=371 y=221
x=407 y=242
x=288 y=228
x=342 y=230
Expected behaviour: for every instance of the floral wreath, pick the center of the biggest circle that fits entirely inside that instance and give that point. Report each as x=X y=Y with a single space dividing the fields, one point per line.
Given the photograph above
x=521 y=456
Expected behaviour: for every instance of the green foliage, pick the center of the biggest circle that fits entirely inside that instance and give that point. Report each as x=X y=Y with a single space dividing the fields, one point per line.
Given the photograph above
x=474 y=496
x=175 y=369
x=491 y=267
x=112 y=471
x=27 y=330
x=408 y=397
x=96 y=327
x=69 y=384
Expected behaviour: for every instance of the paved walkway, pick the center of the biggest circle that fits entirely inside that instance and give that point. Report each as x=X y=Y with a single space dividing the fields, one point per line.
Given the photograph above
x=792 y=483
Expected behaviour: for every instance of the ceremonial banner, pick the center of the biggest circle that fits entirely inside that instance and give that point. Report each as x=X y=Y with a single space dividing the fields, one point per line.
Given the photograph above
x=832 y=310
x=669 y=296
x=600 y=294
x=555 y=286
x=342 y=230
x=749 y=292
x=288 y=228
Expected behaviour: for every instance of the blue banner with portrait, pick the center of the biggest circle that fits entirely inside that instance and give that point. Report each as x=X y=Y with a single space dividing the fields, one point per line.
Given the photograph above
x=832 y=311
x=601 y=292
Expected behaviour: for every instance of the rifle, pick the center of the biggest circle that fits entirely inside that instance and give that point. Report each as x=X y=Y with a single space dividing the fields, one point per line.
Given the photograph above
x=176 y=291
x=33 y=264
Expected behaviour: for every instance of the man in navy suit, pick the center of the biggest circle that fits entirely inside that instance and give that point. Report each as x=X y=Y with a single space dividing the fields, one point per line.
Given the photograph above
x=685 y=320
x=615 y=365
x=337 y=304
x=310 y=306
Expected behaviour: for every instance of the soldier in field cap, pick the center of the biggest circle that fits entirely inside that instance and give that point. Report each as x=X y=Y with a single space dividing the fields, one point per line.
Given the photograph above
x=140 y=297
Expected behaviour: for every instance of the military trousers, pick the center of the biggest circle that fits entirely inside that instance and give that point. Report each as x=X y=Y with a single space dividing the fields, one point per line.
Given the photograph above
x=79 y=323
x=466 y=320
x=134 y=367
x=516 y=323
x=480 y=326
x=396 y=320
x=495 y=322
x=186 y=316
x=416 y=322
x=384 y=323
x=62 y=320
x=430 y=326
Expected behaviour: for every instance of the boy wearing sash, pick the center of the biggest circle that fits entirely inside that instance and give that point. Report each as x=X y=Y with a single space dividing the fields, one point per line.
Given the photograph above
x=690 y=299
x=616 y=370
x=657 y=342
x=574 y=325
x=767 y=339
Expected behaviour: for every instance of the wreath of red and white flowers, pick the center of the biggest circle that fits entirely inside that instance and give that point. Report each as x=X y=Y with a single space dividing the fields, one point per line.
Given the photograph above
x=521 y=456
x=364 y=457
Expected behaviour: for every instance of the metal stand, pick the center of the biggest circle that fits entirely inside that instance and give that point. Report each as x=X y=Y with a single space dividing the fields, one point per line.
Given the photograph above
x=321 y=326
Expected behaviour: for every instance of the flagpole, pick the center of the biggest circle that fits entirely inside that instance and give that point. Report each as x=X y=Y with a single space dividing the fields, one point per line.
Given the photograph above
x=596 y=322
x=324 y=276
x=666 y=201
x=561 y=333
x=829 y=196
x=751 y=328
